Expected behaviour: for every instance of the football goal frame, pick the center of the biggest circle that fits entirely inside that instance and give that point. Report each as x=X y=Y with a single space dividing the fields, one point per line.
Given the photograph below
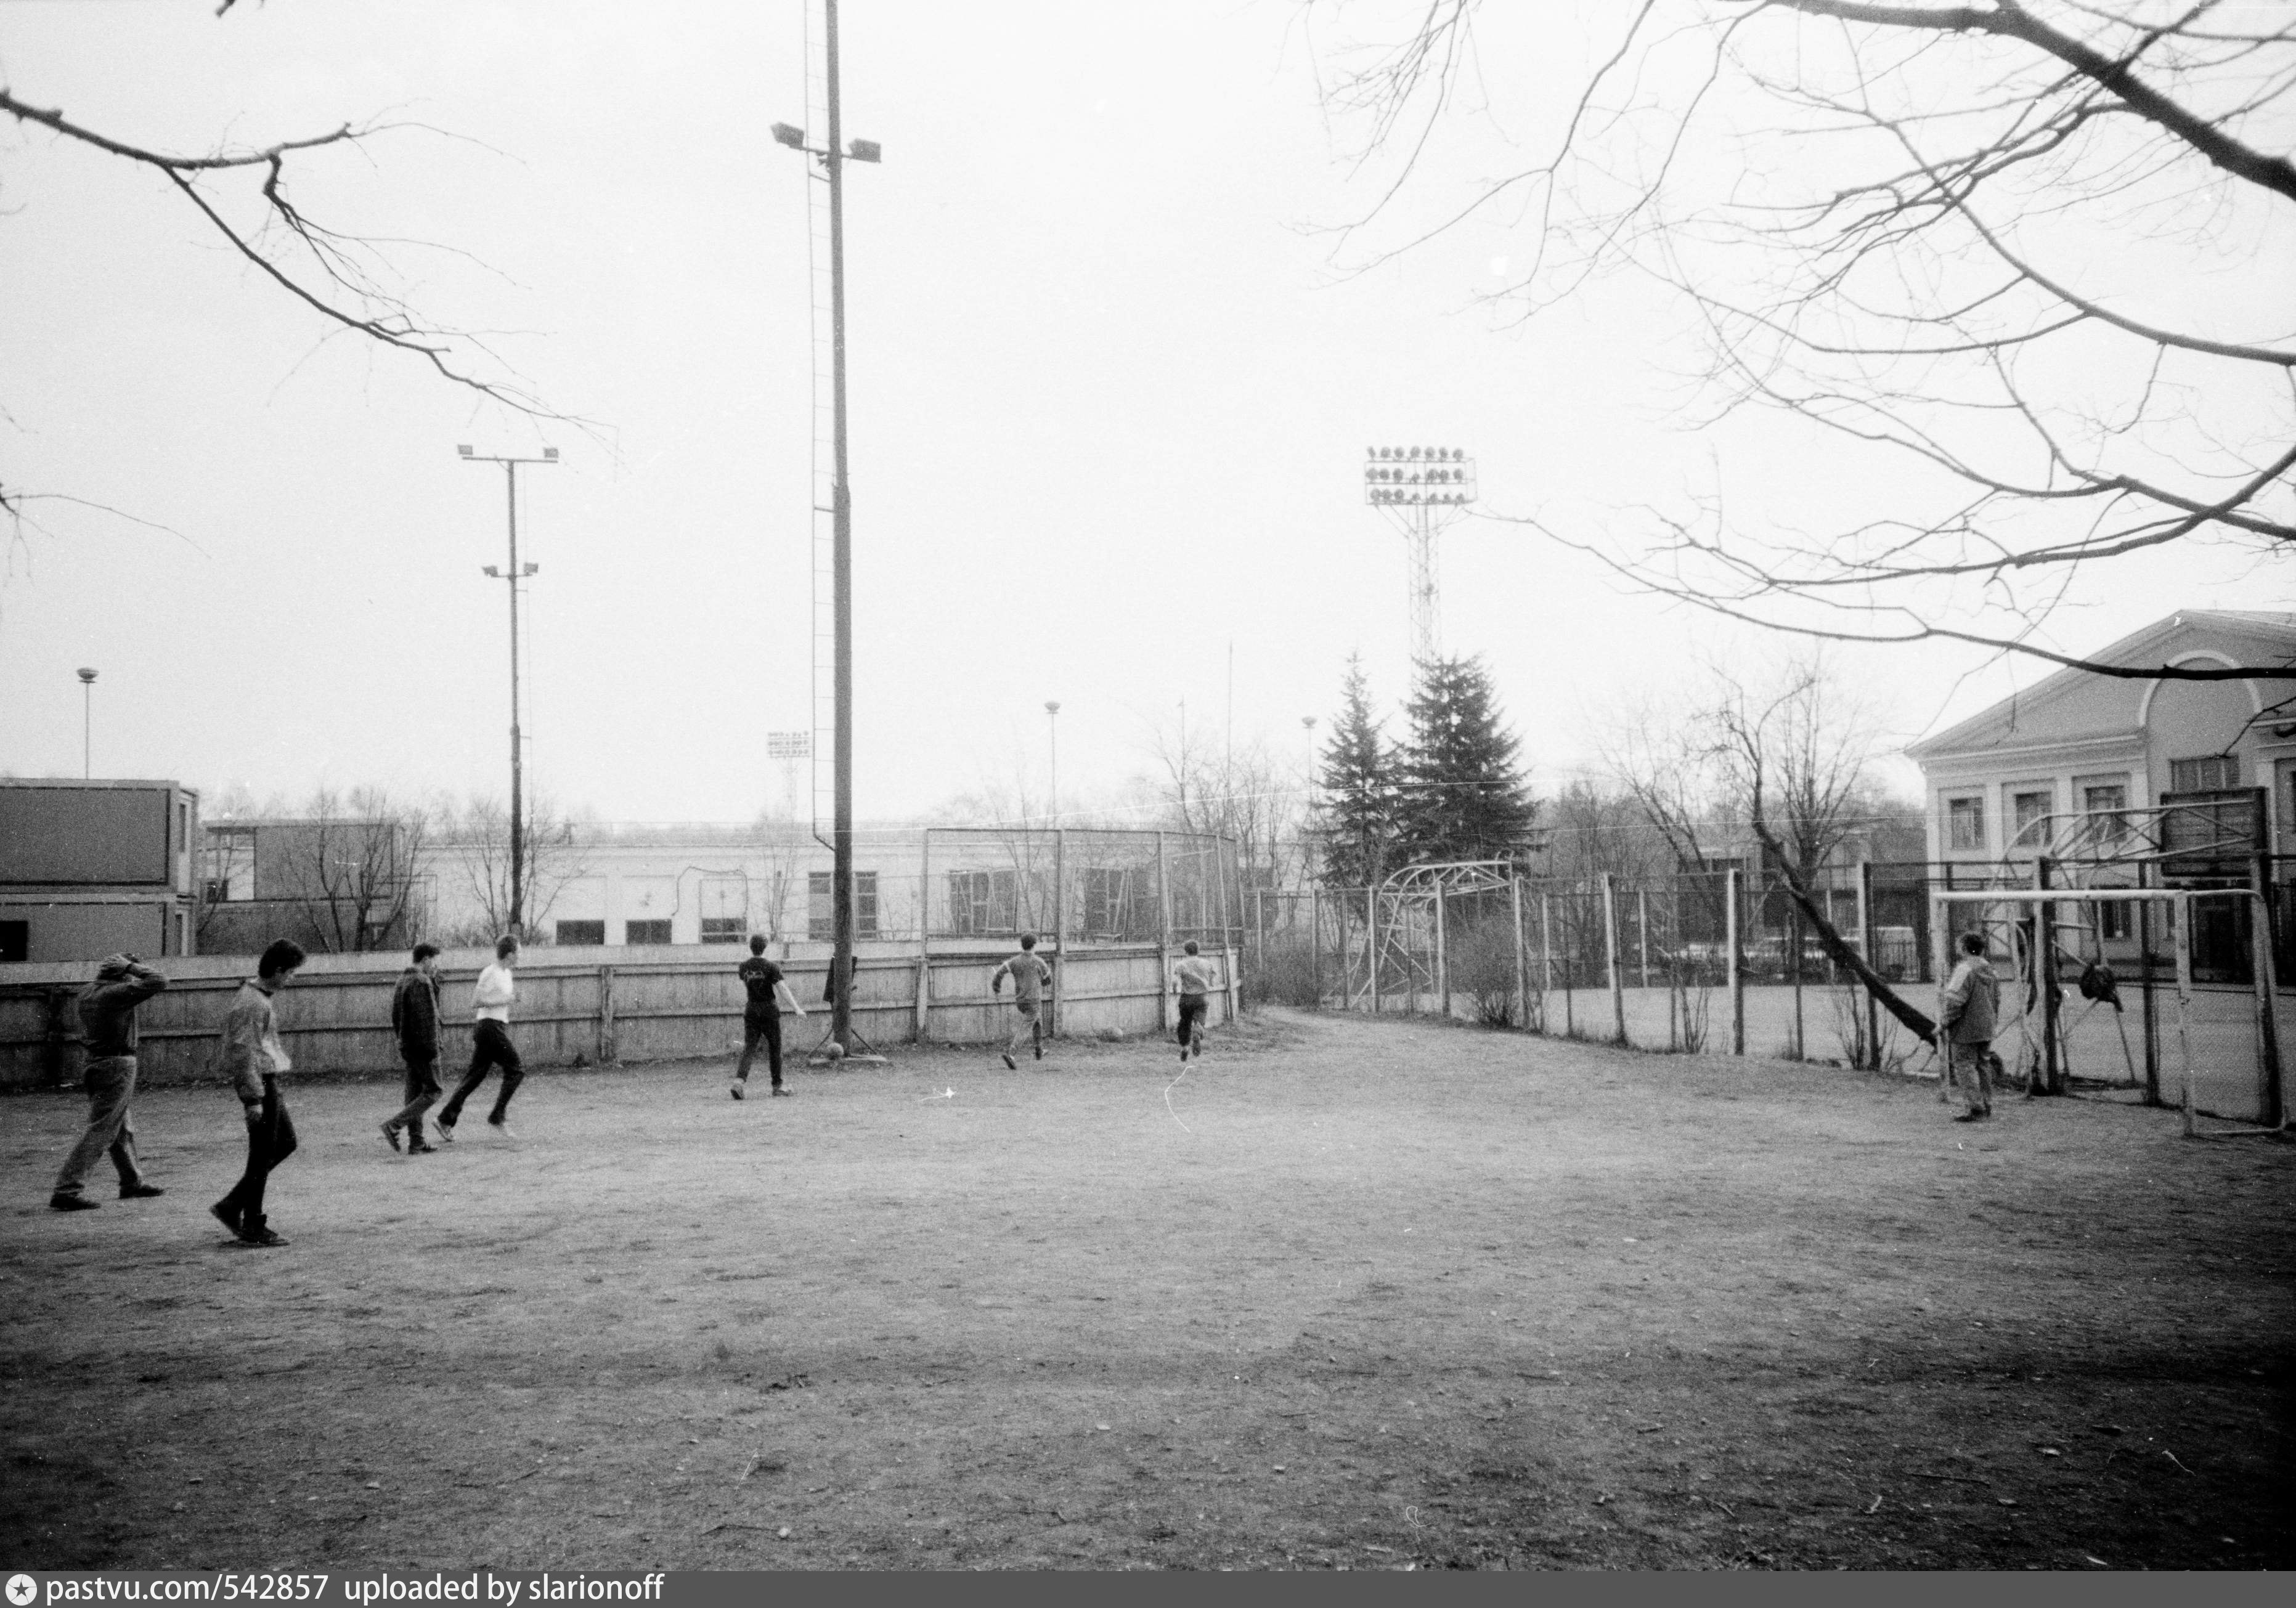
x=2013 y=921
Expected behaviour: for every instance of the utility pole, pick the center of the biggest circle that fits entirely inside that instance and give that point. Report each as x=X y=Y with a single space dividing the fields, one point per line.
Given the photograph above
x=515 y=575
x=1053 y=724
x=831 y=159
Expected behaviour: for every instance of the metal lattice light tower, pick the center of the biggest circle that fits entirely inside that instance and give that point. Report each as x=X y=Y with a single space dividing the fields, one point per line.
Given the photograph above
x=1420 y=489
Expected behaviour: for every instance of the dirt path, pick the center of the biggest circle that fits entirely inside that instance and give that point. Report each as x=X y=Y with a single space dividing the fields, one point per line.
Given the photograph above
x=1350 y=1293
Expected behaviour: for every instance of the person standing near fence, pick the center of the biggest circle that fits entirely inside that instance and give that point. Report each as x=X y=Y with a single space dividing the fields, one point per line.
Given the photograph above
x=1194 y=977
x=414 y=1019
x=107 y=1019
x=1966 y=1011
x=1030 y=975
x=767 y=996
x=255 y=1061
x=491 y=1003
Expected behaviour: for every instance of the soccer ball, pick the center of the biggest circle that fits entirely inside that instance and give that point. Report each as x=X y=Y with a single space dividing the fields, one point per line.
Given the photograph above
x=833 y=1050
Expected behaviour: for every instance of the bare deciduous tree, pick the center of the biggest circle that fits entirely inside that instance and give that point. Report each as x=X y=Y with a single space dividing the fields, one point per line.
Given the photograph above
x=552 y=849
x=347 y=280
x=350 y=867
x=2032 y=253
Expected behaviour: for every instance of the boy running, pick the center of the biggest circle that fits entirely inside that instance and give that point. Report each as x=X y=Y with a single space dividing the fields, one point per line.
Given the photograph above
x=761 y=1015
x=1030 y=975
x=491 y=1046
x=1195 y=978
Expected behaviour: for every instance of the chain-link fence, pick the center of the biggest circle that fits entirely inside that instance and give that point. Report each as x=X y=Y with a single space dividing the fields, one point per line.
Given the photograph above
x=1081 y=886
x=1651 y=964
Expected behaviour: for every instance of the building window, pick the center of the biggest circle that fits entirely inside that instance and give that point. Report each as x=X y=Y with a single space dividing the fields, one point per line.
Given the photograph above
x=1965 y=823
x=982 y=902
x=645 y=932
x=15 y=941
x=2029 y=818
x=1110 y=892
x=2114 y=921
x=230 y=864
x=2210 y=772
x=821 y=912
x=574 y=933
x=2105 y=804
x=719 y=929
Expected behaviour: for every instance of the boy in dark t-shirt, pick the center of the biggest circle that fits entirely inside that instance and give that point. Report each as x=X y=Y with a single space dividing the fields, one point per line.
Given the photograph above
x=761 y=1021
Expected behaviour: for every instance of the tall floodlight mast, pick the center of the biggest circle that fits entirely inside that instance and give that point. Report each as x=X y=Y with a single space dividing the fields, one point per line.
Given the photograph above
x=1420 y=489
x=829 y=172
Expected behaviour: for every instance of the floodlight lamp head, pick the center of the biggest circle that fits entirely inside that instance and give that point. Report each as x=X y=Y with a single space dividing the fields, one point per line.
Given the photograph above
x=530 y=569
x=550 y=454
x=789 y=134
x=1052 y=706
x=86 y=673
x=865 y=150
x=464 y=450
x=494 y=571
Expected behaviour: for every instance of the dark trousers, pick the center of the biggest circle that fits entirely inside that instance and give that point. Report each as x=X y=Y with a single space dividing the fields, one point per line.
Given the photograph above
x=492 y=1048
x=757 y=1031
x=422 y=1094
x=270 y=1140
x=111 y=1083
x=1193 y=1008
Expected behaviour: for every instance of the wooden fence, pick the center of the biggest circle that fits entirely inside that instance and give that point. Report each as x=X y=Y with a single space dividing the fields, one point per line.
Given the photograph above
x=580 y=1008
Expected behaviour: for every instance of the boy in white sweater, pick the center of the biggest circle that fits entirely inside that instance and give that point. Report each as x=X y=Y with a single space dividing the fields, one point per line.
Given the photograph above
x=490 y=1031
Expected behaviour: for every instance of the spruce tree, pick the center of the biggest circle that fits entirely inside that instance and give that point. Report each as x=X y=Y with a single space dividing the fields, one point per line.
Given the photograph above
x=1464 y=795
x=1356 y=812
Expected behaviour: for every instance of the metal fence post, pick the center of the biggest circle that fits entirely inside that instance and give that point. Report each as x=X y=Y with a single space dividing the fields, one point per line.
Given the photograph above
x=924 y=937
x=2268 y=1030
x=1163 y=938
x=1053 y=1012
x=1611 y=959
x=1521 y=972
x=1371 y=941
x=1733 y=886
x=2183 y=918
x=1442 y=958
x=1865 y=945
x=2044 y=971
x=1545 y=957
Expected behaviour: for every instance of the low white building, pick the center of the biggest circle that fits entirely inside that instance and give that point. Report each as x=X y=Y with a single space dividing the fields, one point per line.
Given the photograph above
x=2193 y=780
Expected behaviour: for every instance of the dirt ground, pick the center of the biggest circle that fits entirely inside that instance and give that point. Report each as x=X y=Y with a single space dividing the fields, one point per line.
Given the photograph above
x=1353 y=1293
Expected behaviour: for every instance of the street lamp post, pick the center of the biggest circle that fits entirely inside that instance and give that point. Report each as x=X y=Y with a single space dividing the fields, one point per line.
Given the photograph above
x=833 y=158
x=1053 y=720
x=514 y=574
x=86 y=723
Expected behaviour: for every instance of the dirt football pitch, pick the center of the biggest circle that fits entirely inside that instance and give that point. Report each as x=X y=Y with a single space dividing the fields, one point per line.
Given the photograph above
x=1351 y=1294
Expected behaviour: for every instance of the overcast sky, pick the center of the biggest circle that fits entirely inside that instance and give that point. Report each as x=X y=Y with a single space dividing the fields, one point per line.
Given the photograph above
x=1111 y=390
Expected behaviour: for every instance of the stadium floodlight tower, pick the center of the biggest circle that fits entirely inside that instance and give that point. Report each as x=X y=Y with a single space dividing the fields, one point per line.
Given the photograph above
x=1420 y=489
x=833 y=559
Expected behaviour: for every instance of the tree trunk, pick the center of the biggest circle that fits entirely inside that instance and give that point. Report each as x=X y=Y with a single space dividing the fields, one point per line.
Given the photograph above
x=1832 y=942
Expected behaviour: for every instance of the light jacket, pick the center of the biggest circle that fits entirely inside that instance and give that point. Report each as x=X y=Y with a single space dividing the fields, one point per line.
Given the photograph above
x=251 y=1050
